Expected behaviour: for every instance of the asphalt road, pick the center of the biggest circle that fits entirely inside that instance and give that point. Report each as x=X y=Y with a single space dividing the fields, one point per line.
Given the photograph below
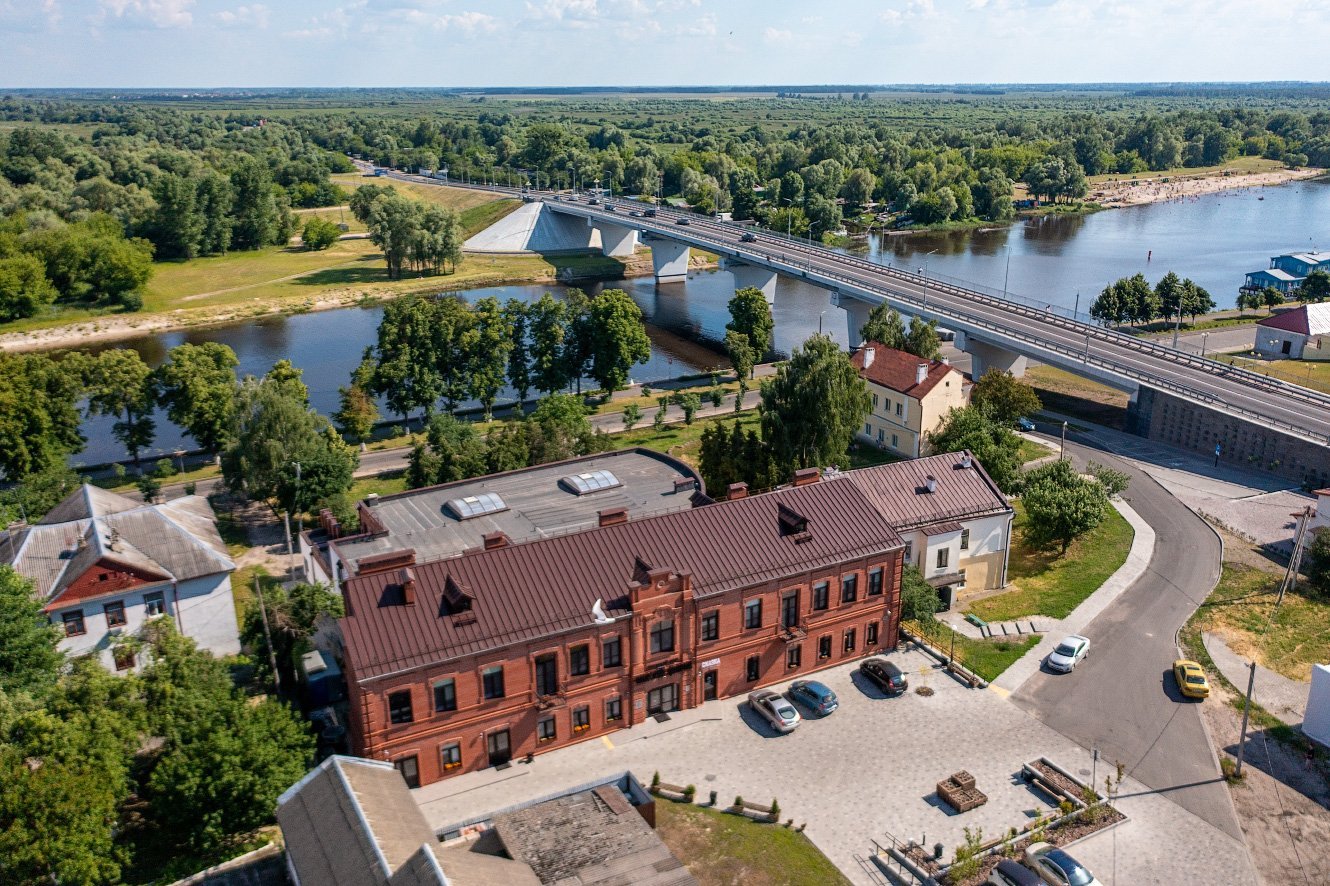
x=1122 y=698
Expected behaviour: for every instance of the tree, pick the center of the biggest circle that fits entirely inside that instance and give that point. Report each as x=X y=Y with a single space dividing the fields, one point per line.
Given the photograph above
x=1271 y=297
x=859 y=186
x=751 y=315
x=1317 y=560
x=885 y=327
x=519 y=355
x=1108 y=308
x=177 y=225
x=121 y=385
x=577 y=337
x=319 y=233
x=394 y=227
x=788 y=219
x=922 y=340
x=260 y=218
x=558 y=429
x=1114 y=482
x=37 y=493
x=357 y=412
x=293 y=617
x=999 y=394
x=919 y=600
x=632 y=414
x=992 y=444
x=507 y=448
x=1195 y=299
x=813 y=406
x=1061 y=505
x=742 y=357
x=197 y=384
x=1315 y=287
x=689 y=402
x=29 y=657
x=24 y=289
x=485 y=348
x=618 y=339
x=363 y=198
x=1169 y=292
x=405 y=356
x=547 y=330
x=149 y=487
x=452 y=451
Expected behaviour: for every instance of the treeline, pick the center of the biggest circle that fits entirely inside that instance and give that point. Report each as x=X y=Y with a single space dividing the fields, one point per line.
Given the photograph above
x=1134 y=300
x=422 y=235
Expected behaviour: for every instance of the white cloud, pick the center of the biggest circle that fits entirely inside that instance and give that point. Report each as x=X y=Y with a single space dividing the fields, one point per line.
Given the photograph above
x=777 y=35
x=571 y=12
x=254 y=15
x=157 y=13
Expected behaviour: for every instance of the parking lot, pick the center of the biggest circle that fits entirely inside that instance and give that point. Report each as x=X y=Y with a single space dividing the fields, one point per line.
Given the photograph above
x=869 y=770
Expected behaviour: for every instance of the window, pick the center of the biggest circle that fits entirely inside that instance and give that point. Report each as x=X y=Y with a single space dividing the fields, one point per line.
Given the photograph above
x=154 y=603
x=545 y=730
x=611 y=653
x=849 y=640
x=789 y=610
x=124 y=657
x=753 y=614
x=711 y=626
x=824 y=647
x=579 y=660
x=662 y=636
x=445 y=696
x=875 y=401
x=868 y=429
x=820 y=596
x=881 y=435
x=895 y=442
x=399 y=707
x=965 y=539
x=492 y=681
x=581 y=719
x=794 y=656
x=74 y=623
x=875 y=582
x=662 y=699
x=410 y=769
x=115 y=614
x=943 y=556
x=909 y=551
x=450 y=756
x=961 y=583
x=613 y=709
x=870 y=634
x=849 y=588
x=898 y=408
x=753 y=667
x=547 y=675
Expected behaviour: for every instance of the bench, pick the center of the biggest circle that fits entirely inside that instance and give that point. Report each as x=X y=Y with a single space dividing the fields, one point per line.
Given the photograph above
x=755 y=810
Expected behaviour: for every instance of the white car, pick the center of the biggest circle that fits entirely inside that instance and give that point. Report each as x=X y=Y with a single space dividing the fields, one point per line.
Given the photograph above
x=775 y=709
x=1056 y=867
x=1068 y=653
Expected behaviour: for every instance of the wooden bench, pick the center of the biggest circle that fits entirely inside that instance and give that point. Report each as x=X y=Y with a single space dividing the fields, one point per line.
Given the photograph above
x=754 y=810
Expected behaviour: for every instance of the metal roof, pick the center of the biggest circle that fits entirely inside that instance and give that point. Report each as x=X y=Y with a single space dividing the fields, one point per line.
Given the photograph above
x=590 y=481
x=900 y=491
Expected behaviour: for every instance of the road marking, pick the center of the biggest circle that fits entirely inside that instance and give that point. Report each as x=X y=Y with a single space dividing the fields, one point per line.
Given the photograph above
x=609 y=744
x=999 y=691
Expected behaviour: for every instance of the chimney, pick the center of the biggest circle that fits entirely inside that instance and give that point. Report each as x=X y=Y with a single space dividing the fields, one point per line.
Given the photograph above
x=736 y=491
x=932 y=483
x=407 y=578
x=966 y=460
x=612 y=516
x=807 y=476
x=496 y=540
x=869 y=354
x=684 y=484
x=920 y=373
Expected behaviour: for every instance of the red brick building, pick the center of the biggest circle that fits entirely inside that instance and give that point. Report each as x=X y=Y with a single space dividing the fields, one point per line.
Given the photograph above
x=513 y=649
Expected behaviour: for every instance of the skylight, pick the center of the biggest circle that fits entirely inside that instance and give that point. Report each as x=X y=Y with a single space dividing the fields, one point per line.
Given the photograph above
x=476 y=505
x=591 y=481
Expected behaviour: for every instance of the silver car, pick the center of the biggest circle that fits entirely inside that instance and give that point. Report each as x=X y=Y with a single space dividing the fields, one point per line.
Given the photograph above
x=775 y=709
x=1068 y=653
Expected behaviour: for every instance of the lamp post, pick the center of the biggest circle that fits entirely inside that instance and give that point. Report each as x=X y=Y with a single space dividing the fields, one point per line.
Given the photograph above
x=924 y=271
x=1063 y=453
x=789 y=216
x=1006 y=275
x=1204 y=336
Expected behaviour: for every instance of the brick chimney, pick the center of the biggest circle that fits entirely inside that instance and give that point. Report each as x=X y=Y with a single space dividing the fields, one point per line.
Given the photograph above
x=684 y=484
x=496 y=540
x=736 y=491
x=806 y=476
x=869 y=354
x=920 y=373
x=407 y=578
x=612 y=516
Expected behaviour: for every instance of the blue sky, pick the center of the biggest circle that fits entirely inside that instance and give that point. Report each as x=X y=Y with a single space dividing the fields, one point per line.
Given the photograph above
x=142 y=43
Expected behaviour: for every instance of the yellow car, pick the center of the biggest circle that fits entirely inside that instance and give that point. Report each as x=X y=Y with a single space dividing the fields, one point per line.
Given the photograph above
x=1191 y=679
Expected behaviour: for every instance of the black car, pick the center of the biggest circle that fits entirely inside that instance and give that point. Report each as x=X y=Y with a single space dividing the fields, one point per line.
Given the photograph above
x=593 y=202
x=609 y=207
x=884 y=675
x=682 y=221
x=650 y=213
x=748 y=237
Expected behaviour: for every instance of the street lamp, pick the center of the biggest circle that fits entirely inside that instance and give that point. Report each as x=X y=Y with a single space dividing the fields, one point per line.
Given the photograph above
x=1204 y=336
x=1006 y=275
x=924 y=271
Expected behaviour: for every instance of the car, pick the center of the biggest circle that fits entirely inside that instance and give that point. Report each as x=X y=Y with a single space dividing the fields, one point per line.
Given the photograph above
x=593 y=202
x=1009 y=873
x=815 y=696
x=1056 y=867
x=681 y=220
x=748 y=237
x=1068 y=653
x=650 y=213
x=775 y=709
x=635 y=214
x=884 y=675
x=1191 y=679
x=609 y=207
x=1025 y=424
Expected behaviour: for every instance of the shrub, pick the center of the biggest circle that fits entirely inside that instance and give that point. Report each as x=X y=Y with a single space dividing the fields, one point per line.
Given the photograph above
x=646 y=390
x=775 y=810
x=190 y=487
x=655 y=780
x=689 y=792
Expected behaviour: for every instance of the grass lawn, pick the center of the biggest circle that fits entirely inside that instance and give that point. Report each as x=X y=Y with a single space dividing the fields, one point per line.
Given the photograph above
x=1240 y=608
x=726 y=850
x=1314 y=374
x=389 y=483
x=1031 y=451
x=987 y=658
x=1238 y=165
x=1050 y=584
x=1072 y=395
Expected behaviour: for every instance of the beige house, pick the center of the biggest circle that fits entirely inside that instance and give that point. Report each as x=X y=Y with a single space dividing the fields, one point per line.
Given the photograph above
x=910 y=397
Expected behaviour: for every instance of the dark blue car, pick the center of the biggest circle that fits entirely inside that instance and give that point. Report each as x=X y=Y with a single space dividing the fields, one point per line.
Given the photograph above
x=815 y=696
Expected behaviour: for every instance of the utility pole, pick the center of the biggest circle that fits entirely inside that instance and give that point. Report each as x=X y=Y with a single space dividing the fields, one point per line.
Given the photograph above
x=1295 y=560
x=1177 y=326
x=300 y=515
x=1246 y=709
x=267 y=635
x=1063 y=454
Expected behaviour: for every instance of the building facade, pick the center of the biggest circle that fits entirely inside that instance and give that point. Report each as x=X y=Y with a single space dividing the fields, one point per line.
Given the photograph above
x=910 y=397
x=1299 y=334
x=1286 y=272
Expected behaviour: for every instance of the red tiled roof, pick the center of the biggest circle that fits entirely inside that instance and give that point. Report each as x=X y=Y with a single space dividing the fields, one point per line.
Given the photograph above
x=898 y=370
x=549 y=586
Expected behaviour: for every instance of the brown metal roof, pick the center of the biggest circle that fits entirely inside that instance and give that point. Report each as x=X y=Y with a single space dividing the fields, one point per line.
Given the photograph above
x=942 y=528
x=549 y=586
x=900 y=491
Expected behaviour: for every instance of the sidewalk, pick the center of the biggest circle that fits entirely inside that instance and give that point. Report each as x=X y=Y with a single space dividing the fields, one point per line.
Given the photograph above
x=1285 y=698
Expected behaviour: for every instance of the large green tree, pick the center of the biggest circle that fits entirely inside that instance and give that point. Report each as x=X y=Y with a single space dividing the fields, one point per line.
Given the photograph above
x=751 y=315
x=197 y=384
x=451 y=451
x=405 y=365
x=548 y=327
x=24 y=289
x=991 y=442
x=618 y=339
x=39 y=415
x=122 y=386
x=1004 y=397
x=1061 y=505
x=518 y=317
x=813 y=406
x=885 y=327
x=29 y=658
x=486 y=346
x=1315 y=287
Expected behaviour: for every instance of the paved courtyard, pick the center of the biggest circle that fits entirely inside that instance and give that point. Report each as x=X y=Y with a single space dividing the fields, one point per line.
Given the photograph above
x=867 y=771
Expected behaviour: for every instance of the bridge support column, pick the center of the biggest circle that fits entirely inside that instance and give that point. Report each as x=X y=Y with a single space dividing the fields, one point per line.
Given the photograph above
x=985 y=356
x=669 y=258
x=856 y=316
x=616 y=240
x=748 y=276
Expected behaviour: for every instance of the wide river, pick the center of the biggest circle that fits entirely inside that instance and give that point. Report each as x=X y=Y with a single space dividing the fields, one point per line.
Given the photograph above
x=1214 y=240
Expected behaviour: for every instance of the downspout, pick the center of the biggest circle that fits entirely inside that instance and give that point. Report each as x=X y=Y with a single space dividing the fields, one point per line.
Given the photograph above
x=632 y=671
x=1006 y=549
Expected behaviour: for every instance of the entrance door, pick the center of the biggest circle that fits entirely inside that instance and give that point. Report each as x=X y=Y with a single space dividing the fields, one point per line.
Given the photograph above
x=410 y=769
x=500 y=747
x=1287 y=348
x=709 y=685
x=666 y=698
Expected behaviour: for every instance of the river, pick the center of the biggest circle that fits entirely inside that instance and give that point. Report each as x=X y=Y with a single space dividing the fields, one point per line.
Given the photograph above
x=1214 y=239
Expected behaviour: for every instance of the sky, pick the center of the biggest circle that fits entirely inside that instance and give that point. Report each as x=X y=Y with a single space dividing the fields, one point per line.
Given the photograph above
x=312 y=43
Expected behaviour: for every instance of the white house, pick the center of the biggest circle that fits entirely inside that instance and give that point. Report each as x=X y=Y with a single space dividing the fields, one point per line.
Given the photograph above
x=104 y=564
x=1300 y=334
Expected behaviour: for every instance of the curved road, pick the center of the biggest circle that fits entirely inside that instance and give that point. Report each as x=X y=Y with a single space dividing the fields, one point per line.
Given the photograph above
x=1122 y=698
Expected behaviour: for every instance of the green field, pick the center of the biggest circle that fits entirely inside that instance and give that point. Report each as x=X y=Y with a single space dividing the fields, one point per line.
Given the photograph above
x=987 y=658
x=1308 y=373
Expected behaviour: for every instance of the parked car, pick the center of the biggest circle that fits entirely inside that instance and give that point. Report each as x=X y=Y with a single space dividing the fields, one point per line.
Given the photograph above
x=1056 y=867
x=885 y=675
x=815 y=696
x=649 y=213
x=1191 y=679
x=748 y=237
x=682 y=220
x=1009 y=873
x=775 y=709
x=1068 y=654
x=1025 y=424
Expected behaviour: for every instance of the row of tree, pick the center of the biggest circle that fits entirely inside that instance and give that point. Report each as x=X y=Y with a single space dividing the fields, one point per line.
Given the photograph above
x=1134 y=300
x=423 y=236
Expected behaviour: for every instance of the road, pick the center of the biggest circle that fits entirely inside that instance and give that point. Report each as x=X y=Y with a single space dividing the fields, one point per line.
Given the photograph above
x=1122 y=698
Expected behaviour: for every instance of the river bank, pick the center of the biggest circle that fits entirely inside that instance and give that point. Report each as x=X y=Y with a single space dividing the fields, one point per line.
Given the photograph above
x=1164 y=187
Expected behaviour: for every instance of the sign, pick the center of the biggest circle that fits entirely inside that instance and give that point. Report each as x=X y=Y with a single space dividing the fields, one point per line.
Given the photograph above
x=709 y=664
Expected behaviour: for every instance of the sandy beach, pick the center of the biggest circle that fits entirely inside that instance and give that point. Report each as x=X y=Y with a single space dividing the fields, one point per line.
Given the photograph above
x=1161 y=189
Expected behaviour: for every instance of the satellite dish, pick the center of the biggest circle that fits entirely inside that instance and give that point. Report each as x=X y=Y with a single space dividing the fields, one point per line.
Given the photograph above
x=598 y=613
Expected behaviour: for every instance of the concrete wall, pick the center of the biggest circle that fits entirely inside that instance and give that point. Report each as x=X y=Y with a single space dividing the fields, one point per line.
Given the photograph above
x=1271 y=343
x=984 y=560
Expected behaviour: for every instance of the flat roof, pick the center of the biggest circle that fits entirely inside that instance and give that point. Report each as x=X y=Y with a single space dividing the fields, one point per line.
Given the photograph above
x=535 y=504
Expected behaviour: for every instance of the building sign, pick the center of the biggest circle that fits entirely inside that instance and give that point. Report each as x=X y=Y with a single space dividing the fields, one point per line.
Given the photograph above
x=709 y=664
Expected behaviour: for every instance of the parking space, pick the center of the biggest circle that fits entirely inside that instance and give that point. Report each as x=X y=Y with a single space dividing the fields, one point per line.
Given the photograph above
x=867 y=770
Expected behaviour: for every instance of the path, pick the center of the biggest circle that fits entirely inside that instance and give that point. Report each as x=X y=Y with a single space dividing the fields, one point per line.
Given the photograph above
x=1285 y=698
